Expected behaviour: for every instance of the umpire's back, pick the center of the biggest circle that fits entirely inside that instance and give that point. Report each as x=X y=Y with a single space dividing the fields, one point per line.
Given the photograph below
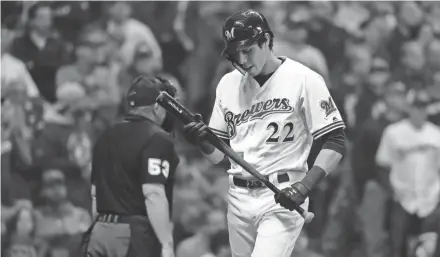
x=117 y=170
x=133 y=169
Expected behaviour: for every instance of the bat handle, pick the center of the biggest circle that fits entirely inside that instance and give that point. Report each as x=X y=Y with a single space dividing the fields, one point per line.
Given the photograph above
x=308 y=216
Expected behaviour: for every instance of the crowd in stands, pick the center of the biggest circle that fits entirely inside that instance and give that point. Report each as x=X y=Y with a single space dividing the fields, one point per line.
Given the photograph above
x=66 y=66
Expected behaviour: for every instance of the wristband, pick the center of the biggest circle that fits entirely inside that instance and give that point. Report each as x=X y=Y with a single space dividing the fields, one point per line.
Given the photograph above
x=301 y=188
x=313 y=177
x=215 y=157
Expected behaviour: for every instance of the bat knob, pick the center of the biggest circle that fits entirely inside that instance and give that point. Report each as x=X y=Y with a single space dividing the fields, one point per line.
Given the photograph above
x=308 y=216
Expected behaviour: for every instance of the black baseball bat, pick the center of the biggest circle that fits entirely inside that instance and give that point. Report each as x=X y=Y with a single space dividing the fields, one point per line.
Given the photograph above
x=184 y=115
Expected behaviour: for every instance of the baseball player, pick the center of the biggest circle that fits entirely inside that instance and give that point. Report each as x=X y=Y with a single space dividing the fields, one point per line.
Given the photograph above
x=270 y=109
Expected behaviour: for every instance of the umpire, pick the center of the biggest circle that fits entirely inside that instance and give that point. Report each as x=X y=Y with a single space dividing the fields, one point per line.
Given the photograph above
x=133 y=168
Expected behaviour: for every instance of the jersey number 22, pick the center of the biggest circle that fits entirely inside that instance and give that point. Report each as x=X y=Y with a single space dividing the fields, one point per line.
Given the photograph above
x=276 y=137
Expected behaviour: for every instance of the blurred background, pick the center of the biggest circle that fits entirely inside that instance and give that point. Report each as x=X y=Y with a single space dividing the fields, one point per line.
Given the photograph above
x=66 y=66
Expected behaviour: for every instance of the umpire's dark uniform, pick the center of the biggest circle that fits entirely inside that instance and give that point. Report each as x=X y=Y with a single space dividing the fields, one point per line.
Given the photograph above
x=121 y=164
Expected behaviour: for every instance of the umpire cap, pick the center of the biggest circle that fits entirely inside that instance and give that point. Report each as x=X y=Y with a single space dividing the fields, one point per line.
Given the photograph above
x=145 y=90
x=242 y=30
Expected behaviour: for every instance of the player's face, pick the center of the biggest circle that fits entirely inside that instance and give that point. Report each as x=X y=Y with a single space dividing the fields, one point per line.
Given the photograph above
x=252 y=59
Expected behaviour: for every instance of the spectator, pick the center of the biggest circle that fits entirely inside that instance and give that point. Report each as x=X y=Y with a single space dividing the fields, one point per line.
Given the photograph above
x=432 y=11
x=7 y=115
x=66 y=144
x=70 y=17
x=411 y=149
x=199 y=244
x=358 y=68
x=170 y=21
x=13 y=69
x=100 y=85
x=340 y=233
x=371 y=92
x=9 y=211
x=17 y=136
x=409 y=21
x=378 y=28
x=368 y=139
x=412 y=70
x=130 y=32
x=297 y=48
x=433 y=55
x=433 y=108
x=325 y=35
x=366 y=178
x=58 y=221
x=143 y=64
x=41 y=50
x=201 y=85
x=21 y=240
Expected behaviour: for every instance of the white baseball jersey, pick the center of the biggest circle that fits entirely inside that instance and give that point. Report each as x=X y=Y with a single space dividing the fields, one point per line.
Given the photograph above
x=273 y=126
x=414 y=158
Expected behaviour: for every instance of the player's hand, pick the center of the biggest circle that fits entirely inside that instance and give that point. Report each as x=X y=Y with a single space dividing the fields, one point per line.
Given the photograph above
x=292 y=197
x=195 y=131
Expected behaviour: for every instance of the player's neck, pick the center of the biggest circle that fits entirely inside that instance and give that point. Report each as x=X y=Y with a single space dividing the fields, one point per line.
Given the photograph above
x=271 y=65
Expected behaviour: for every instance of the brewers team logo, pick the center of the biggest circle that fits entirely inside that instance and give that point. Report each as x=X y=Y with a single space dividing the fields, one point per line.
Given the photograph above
x=229 y=34
x=328 y=106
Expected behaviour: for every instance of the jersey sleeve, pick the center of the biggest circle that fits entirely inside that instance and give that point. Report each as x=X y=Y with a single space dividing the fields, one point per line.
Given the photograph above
x=217 y=121
x=386 y=153
x=159 y=160
x=318 y=108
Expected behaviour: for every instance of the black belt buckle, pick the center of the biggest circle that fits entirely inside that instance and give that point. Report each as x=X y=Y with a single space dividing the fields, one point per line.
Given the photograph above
x=253 y=184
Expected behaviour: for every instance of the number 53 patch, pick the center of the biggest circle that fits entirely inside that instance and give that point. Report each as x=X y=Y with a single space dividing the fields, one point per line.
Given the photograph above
x=157 y=166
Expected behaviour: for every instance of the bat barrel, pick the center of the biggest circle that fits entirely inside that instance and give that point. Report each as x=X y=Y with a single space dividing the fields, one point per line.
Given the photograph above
x=174 y=108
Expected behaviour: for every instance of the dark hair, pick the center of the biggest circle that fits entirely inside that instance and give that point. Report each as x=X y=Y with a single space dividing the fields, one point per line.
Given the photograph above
x=263 y=39
x=32 y=12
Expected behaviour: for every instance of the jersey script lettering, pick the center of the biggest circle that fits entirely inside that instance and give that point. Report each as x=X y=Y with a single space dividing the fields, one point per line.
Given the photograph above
x=257 y=111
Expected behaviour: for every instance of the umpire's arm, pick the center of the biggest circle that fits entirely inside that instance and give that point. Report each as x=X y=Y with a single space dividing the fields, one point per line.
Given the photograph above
x=159 y=162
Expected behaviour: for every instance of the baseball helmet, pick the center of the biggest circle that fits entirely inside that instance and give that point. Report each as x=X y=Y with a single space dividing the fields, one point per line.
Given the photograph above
x=242 y=30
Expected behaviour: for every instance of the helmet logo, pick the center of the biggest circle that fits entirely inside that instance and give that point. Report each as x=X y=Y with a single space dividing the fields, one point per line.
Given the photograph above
x=229 y=34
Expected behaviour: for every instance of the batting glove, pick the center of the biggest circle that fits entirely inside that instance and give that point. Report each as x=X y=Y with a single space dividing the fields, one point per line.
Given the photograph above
x=195 y=131
x=292 y=197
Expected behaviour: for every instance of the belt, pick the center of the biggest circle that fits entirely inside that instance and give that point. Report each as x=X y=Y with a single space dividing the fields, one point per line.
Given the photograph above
x=113 y=218
x=254 y=183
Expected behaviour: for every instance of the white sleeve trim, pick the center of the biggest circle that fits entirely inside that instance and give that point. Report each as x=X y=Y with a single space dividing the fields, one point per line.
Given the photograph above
x=219 y=133
x=320 y=132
